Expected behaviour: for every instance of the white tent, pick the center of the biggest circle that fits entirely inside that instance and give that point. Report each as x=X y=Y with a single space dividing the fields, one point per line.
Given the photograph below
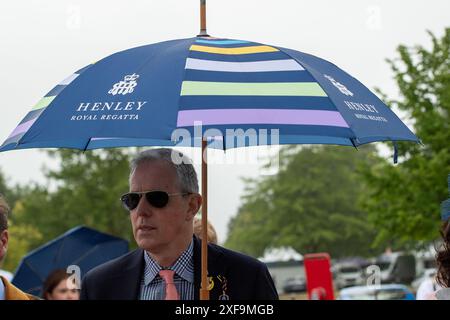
x=280 y=254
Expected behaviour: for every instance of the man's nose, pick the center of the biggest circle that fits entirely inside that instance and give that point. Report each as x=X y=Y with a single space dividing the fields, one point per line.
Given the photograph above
x=143 y=207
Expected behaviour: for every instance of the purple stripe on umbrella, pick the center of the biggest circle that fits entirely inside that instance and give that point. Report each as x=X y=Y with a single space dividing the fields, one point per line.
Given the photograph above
x=22 y=128
x=261 y=116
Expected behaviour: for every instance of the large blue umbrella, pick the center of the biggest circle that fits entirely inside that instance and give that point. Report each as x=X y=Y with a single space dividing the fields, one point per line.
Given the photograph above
x=83 y=247
x=142 y=95
x=235 y=92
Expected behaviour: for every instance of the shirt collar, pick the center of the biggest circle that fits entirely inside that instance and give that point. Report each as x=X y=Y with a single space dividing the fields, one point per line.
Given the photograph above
x=183 y=266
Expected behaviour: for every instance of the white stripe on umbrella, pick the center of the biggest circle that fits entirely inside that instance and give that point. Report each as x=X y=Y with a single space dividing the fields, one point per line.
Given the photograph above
x=253 y=66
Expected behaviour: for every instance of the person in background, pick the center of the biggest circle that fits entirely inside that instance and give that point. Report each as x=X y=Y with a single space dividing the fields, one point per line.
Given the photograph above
x=427 y=287
x=56 y=287
x=7 y=290
x=443 y=255
x=211 y=233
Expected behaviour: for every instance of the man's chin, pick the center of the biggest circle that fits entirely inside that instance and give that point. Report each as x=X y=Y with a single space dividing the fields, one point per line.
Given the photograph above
x=146 y=244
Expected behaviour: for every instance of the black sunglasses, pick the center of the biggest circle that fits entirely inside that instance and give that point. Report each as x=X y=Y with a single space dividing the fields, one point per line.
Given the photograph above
x=158 y=199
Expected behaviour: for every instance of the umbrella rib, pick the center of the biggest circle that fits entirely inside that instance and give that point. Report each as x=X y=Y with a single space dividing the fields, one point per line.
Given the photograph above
x=87 y=144
x=60 y=249
x=395 y=151
x=86 y=254
x=35 y=271
x=223 y=144
x=353 y=141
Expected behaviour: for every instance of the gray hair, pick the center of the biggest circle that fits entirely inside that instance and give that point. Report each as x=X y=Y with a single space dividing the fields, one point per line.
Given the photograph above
x=186 y=175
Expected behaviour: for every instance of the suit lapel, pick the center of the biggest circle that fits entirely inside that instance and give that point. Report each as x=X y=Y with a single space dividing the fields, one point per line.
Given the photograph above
x=215 y=268
x=197 y=267
x=129 y=280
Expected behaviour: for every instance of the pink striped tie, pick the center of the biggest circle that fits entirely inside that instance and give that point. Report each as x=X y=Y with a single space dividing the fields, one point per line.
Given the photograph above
x=171 y=290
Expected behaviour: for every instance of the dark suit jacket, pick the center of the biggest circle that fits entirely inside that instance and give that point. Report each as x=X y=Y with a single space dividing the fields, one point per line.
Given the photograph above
x=120 y=279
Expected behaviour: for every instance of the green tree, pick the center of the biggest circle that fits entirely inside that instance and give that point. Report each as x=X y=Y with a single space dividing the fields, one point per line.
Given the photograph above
x=21 y=239
x=21 y=236
x=404 y=199
x=312 y=204
x=9 y=193
x=85 y=190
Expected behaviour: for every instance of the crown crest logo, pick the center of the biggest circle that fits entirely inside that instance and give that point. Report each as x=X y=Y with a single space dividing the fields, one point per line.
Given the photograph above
x=125 y=86
x=131 y=77
x=343 y=89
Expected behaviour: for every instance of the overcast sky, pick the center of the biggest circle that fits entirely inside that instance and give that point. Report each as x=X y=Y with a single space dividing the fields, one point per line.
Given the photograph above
x=44 y=41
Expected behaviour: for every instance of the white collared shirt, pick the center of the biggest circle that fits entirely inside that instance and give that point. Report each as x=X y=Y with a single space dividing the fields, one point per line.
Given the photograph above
x=2 y=290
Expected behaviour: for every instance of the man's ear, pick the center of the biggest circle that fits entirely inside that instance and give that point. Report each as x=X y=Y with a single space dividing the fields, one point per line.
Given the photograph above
x=4 y=237
x=195 y=203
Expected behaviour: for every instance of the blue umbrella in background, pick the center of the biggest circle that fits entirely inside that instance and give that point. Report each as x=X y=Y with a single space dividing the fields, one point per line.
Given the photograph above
x=81 y=246
x=185 y=92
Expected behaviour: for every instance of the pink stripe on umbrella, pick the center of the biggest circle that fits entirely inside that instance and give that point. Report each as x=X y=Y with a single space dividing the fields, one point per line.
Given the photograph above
x=21 y=128
x=261 y=116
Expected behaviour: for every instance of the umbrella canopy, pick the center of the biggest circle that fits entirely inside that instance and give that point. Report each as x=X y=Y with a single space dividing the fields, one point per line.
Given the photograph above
x=80 y=246
x=155 y=94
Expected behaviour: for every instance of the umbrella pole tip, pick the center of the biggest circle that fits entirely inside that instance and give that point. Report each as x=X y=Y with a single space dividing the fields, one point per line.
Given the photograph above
x=203 y=19
x=203 y=34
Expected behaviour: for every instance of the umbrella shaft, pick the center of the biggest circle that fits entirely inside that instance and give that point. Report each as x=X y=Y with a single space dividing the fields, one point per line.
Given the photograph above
x=204 y=293
x=203 y=18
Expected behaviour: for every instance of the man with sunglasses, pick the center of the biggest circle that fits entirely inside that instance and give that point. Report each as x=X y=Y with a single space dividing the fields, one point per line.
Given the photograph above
x=162 y=203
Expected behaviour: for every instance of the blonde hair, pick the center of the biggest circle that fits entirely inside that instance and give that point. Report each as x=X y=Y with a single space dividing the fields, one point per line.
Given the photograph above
x=211 y=232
